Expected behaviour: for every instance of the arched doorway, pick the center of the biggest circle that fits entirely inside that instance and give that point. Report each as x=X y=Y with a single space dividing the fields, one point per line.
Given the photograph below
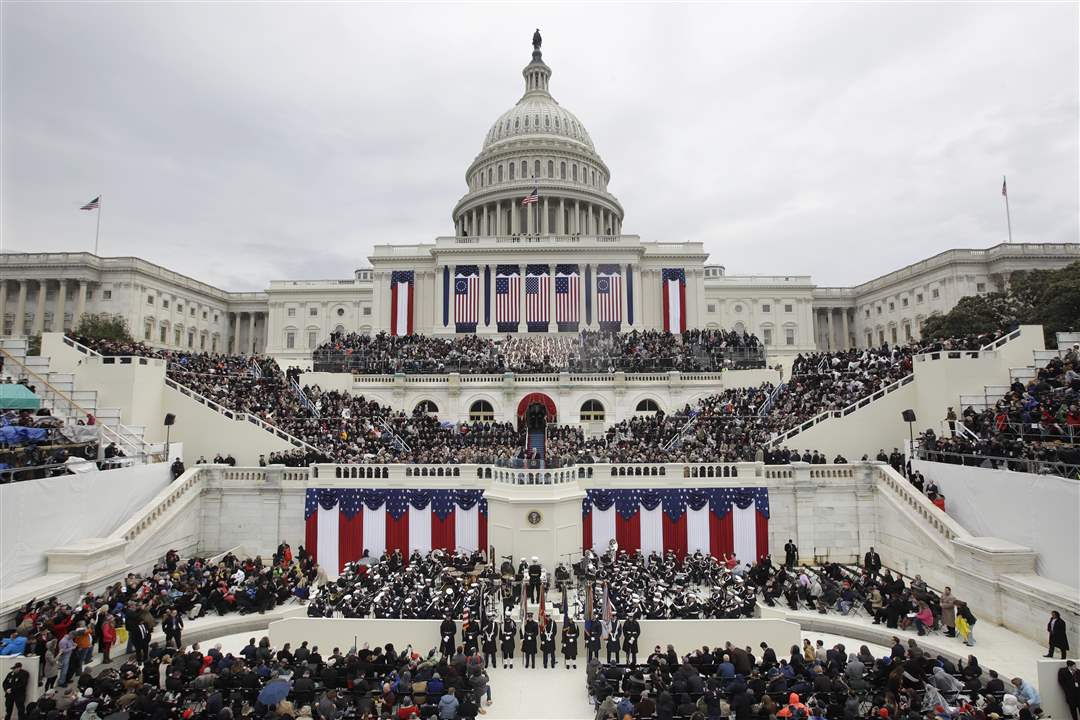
x=534 y=412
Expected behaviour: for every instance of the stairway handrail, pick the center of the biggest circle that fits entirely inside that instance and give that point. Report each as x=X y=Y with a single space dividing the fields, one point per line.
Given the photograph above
x=106 y=431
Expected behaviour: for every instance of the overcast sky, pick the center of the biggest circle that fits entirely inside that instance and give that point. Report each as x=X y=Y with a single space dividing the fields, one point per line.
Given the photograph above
x=239 y=143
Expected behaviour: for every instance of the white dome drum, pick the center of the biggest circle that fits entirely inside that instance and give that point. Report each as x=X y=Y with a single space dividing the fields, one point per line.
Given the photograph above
x=537 y=145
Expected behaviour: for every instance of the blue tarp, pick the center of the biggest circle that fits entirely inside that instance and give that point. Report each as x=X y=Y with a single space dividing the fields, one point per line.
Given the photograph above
x=17 y=435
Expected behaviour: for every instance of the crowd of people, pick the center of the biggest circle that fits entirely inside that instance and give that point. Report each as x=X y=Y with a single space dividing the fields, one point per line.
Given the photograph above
x=589 y=351
x=812 y=681
x=1034 y=427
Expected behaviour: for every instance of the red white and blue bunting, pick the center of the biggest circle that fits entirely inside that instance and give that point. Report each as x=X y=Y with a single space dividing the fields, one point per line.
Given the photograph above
x=340 y=523
x=716 y=521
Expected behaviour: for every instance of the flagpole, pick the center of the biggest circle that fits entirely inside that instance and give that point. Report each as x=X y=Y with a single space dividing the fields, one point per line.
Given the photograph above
x=1008 y=218
x=97 y=231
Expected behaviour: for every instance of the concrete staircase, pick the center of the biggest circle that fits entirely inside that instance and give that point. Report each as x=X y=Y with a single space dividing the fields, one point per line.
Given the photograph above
x=63 y=399
x=992 y=393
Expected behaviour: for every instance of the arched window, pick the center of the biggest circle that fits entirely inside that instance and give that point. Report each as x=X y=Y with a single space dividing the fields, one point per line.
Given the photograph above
x=513 y=170
x=592 y=411
x=556 y=123
x=427 y=408
x=500 y=173
x=524 y=169
x=562 y=171
x=481 y=411
x=551 y=168
x=574 y=173
x=489 y=176
x=647 y=406
x=536 y=168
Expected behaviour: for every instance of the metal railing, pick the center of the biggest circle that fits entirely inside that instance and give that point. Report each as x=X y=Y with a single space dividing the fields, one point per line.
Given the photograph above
x=49 y=393
x=766 y=407
x=1024 y=465
x=843 y=412
x=304 y=400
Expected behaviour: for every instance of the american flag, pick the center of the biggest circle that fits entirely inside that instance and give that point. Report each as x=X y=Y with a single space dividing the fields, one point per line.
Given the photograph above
x=466 y=301
x=507 y=299
x=537 y=299
x=609 y=298
x=531 y=198
x=93 y=204
x=566 y=296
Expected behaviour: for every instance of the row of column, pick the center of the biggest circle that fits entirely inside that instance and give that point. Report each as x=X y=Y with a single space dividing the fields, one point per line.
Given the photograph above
x=832 y=328
x=250 y=343
x=505 y=217
x=37 y=323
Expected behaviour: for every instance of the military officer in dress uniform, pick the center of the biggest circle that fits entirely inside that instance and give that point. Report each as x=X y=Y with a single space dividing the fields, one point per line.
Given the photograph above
x=508 y=636
x=535 y=572
x=530 y=631
x=487 y=641
x=547 y=642
x=569 y=643
x=447 y=633
x=631 y=630
x=614 y=633
x=592 y=642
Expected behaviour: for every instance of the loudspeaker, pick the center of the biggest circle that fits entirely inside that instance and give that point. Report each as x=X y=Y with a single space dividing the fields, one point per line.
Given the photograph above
x=170 y=419
x=908 y=415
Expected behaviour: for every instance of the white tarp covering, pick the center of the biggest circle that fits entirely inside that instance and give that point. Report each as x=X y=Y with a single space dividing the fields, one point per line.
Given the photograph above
x=38 y=515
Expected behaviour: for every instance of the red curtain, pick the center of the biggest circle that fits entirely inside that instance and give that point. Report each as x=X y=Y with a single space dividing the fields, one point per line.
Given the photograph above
x=397 y=534
x=311 y=535
x=350 y=538
x=761 y=524
x=484 y=535
x=675 y=535
x=721 y=535
x=628 y=532
x=443 y=532
x=682 y=307
x=586 y=532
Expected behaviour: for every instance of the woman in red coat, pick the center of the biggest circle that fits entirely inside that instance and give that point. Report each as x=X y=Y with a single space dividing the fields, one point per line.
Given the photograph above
x=108 y=637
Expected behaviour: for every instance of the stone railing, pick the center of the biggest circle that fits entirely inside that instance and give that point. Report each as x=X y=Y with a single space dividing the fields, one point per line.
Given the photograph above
x=843 y=412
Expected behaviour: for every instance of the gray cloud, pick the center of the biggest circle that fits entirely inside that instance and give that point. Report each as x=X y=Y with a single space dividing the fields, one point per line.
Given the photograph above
x=241 y=143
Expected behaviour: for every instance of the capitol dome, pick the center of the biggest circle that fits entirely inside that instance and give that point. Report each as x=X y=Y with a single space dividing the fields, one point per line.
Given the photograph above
x=537 y=145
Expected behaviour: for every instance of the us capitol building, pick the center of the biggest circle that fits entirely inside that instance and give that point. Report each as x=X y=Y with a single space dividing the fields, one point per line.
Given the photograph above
x=538 y=246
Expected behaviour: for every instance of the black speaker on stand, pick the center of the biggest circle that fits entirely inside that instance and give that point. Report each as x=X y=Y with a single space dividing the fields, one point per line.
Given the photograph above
x=170 y=420
x=909 y=418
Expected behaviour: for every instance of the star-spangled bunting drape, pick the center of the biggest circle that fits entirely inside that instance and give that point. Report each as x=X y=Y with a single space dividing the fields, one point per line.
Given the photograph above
x=674 y=298
x=466 y=298
x=340 y=523
x=567 y=291
x=537 y=298
x=609 y=297
x=507 y=298
x=717 y=521
x=401 y=302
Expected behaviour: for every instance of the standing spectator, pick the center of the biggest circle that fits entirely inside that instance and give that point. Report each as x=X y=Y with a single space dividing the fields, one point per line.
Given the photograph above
x=1069 y=680
x=15 y=683
x=108 y=637
x=948 y=612
x=172 y=625
x=177 y=468
x=1058 y=637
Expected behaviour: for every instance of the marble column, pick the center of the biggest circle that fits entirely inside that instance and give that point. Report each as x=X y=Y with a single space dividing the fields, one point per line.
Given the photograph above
x=80 y=303
x=521 y=300
x=3 y=304
x=623 y=301
x=560 y=221
x=515 y=218
x=39 y=310
x=544 y=229
x=18 y=328
x=236 y=334
x=847 y=331
x=581 y=297
x=484 y=228
x=577 y=218
x=61 y=306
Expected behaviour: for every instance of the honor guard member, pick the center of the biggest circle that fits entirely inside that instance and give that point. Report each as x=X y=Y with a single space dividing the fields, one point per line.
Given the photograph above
x=569 y=643
x=595 y=632
x=508 y=638
x=535 y=571
x=487 y=642
x=470 y=634
x=614 y=635
x=631 y=630
x=530 y=631
x=547 y=642
x=447 y=633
